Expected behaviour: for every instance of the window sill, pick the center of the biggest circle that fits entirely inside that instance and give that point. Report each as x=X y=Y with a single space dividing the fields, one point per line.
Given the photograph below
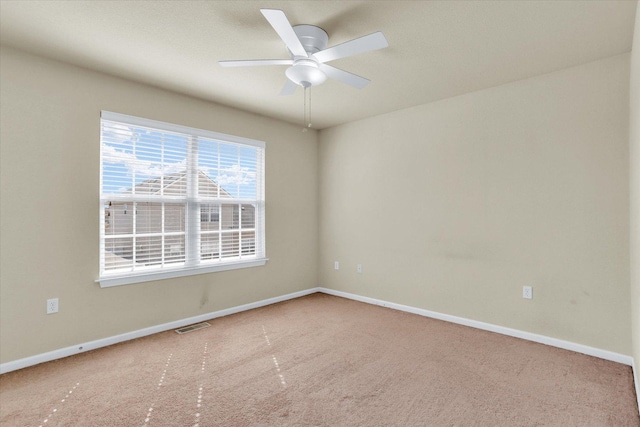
x=127 y=279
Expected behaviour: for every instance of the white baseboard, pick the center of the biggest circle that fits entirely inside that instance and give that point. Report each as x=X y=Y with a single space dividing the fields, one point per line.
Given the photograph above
x=554 y=342
x=92 y=345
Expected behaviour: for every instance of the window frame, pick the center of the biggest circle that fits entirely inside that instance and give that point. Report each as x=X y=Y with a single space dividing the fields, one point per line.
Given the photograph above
x=193 y=263
x=210 y=212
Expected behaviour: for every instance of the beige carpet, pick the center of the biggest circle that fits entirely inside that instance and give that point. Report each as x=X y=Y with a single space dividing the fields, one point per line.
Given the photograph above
x=322 y=361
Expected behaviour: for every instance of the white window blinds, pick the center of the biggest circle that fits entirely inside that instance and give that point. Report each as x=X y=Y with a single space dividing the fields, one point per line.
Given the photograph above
x=177 y=200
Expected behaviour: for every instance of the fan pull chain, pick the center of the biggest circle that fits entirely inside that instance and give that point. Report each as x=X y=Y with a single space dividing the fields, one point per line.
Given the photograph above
x=309 y=113
x=307 y=109
x=304 y=113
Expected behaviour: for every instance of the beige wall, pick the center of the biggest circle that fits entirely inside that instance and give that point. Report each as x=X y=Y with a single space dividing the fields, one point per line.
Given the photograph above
x=451 y=206
x=455 y=205
x=50 y=209
x=634 y=156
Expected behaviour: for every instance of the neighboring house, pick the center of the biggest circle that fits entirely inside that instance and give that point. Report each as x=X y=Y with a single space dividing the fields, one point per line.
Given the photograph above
x=222 y=225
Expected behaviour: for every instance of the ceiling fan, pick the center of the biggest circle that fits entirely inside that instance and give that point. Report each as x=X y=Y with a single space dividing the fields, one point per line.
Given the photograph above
x=307 y=47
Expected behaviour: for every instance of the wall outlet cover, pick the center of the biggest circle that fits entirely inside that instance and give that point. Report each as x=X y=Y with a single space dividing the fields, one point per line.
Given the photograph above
x=52 y=305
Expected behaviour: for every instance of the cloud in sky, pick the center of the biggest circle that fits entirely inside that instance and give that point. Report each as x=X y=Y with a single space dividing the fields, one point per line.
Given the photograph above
x=236 y=175
x=143 y=169
x=129 y=165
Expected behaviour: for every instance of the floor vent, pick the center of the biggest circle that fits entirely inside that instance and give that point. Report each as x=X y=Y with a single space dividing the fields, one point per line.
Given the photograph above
x=191 y=328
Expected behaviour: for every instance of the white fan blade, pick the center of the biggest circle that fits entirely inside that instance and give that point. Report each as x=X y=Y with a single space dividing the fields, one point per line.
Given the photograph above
x=289 y=88
x=353 y=47
x=280 y=23
x=344 y=76
x=255 y=62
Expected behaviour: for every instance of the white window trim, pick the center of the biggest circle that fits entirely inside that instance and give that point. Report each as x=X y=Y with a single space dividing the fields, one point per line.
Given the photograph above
x=170 y=127
x=180 y=270
x=117 y=280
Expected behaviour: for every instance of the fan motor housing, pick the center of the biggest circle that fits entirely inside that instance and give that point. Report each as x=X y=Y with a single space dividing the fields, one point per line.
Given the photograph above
x=313 y=39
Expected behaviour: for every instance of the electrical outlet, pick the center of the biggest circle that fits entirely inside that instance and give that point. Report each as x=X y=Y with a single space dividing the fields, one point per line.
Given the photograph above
x=527 y=292
x=52 y=305
x=360 y=268
x=336 y=265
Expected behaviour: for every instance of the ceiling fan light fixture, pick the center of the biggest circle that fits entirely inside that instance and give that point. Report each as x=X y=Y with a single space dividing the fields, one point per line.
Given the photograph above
x=305 y=73
x=307 y=45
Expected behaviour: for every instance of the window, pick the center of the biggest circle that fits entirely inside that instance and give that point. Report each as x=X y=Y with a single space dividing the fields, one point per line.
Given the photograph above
x=209 y=213
x=177 y=201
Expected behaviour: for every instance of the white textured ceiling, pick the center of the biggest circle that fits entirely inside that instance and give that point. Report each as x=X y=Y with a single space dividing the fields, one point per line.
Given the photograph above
x=436 y=50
